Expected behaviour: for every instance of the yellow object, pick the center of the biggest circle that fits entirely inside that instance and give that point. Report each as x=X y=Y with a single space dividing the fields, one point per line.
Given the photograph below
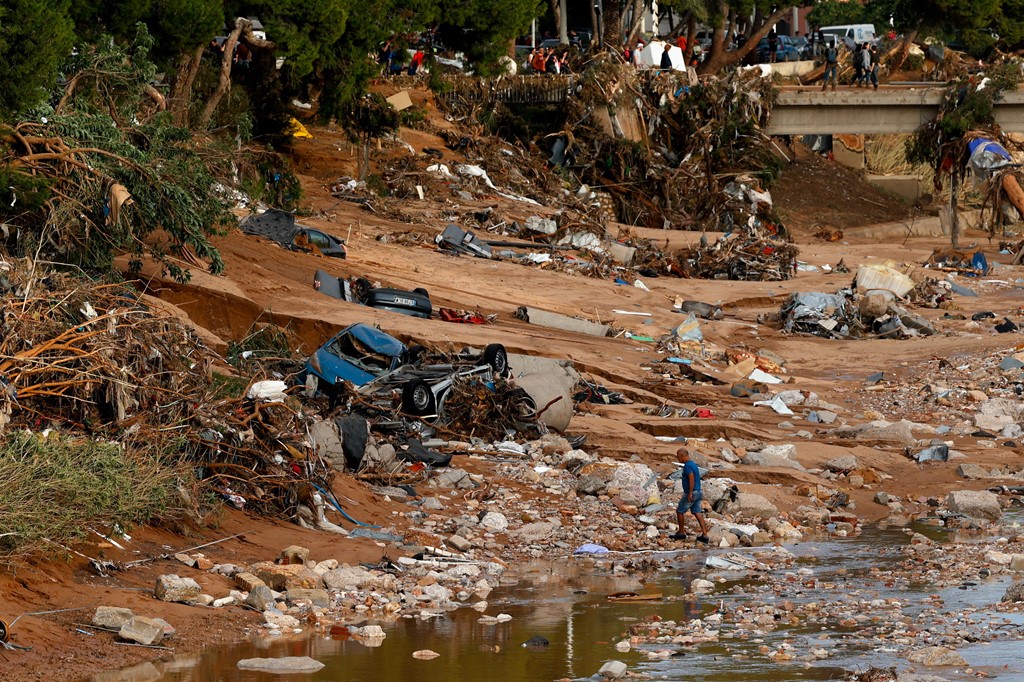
x=297 y=130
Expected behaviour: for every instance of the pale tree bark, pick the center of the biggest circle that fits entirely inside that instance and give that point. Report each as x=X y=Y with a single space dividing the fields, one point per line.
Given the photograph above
x=719 y=57
x=901 y=54
x=557 y=14
x=595 y=35
x=181 y=87
x=613 y=23
x=243 y=32
x=638 y=19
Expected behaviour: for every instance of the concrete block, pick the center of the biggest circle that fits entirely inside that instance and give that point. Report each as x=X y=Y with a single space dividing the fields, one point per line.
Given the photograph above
x=906 y=187
x=848 y=158
x=543 y=318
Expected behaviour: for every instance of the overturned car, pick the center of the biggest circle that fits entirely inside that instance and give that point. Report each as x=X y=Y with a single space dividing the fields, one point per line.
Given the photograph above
x=392 y=376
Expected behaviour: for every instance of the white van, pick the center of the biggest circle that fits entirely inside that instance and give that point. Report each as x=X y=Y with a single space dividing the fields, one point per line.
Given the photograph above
x=851 y=34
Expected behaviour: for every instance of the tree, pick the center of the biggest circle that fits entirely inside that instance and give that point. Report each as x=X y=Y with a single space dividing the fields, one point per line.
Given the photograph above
x=35 y=37
x=481 y=29
x=836 y=13
x=117 y=18
x=725 y=16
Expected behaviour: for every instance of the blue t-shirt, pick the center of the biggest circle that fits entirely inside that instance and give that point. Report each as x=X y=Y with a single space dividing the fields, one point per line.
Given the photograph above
x=691 y=468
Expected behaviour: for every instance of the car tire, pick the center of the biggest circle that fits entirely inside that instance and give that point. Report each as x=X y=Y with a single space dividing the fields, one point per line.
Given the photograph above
x=361 y=289
x=421 y=291
x=496 y=356
x=418 y=399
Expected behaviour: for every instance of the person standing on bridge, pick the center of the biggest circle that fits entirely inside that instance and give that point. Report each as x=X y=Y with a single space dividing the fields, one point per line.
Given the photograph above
x=831 y=62
x=858 y=65
x=873 y=69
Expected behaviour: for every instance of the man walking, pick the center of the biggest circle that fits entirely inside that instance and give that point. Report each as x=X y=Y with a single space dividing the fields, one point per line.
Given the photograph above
x=691 y=498
x=831 y=61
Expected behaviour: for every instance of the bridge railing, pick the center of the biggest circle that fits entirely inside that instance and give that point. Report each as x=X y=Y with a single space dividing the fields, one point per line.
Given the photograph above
x=528 y=89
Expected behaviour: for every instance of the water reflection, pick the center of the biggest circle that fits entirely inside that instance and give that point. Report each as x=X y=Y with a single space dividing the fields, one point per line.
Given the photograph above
x=566 y=603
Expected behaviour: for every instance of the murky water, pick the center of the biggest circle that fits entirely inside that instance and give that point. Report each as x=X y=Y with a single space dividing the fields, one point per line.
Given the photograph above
x=566 y=603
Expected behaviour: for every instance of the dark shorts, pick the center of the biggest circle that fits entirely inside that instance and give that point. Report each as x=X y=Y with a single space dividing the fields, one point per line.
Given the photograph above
x=692 y=506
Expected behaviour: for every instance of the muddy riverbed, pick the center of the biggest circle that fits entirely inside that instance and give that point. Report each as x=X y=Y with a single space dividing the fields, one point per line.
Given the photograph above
x=845 y=604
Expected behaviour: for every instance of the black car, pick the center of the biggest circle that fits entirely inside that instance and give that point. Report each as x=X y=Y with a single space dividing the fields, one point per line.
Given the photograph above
x=415 y=303
x=281 y=227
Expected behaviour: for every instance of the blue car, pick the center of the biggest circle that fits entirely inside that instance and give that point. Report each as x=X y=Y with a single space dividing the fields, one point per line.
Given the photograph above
x=388 y=373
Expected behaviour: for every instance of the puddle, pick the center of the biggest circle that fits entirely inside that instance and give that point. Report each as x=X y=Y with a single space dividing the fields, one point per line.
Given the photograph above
x=566 y=603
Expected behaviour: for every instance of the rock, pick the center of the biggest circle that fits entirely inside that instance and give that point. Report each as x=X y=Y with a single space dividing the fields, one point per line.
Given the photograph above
x=937 y=655
x=997 y=558
x=176 y=589
x=992 y=422
x=261 y=598
x=439 y=594
x=276 y=619
x=169 y=630
x=355 y=578
x=788 y=450
x=287 y=664
x=914 y=677
x=316 y=597
x=463 y=571
x=715 y=489
x=701 y=586
x=1015 y=592
x=283 y=577
x=842 y=464
x=978 y=504
x=425 y=654
x=612 y=670
x=452 y=478
x=824 y=416
x=541 y=225
x=142 y=630
x=495 y=522
x=874 y=305
x=882 y=498
x=460 y=543
x=112 y=617
x=294 y=554
x=752 y=505
x=590 y=485
x=185 y=559
x=533 y=533
x=1002 y=407
x=767 y=460
x=856 y=481
x=901 y=431
x=536 y=641
x=431 y=504
x=372 y=632
x=972 y=470
x=203 y=599
x=1016 y=562
x=553 y=444
x=247 y=581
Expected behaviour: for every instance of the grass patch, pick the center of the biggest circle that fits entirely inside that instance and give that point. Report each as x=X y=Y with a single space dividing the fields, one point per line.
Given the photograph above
x=55 y=488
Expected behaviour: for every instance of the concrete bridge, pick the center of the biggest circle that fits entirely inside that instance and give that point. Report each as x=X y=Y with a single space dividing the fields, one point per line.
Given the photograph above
x=797 y=111
x=888 y=110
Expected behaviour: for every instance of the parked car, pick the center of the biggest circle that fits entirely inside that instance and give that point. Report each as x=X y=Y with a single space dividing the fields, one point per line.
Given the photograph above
x=281 y=227
x=415 y=303
x=785 y=50
x=387 y=372
x=849 y=34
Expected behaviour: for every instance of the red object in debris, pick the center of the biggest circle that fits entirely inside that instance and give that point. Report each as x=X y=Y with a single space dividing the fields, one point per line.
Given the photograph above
x=768 y=250
x=704 y=413
x=947 y=164
x=461 y=316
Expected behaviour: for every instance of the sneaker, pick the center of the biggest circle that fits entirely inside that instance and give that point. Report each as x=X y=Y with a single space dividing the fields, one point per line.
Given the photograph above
x=703 y=538
x=677 y=536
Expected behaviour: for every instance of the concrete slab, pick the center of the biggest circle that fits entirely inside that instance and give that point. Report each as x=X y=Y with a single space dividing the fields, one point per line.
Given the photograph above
x=906 y=187
x=793 y=68
x=850 y=159
x=543 y=318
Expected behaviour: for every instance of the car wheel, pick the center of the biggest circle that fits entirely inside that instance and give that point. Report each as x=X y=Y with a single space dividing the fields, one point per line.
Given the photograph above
x=417 y=398
x=496 y=356
x=421 y=291
x=361 y=289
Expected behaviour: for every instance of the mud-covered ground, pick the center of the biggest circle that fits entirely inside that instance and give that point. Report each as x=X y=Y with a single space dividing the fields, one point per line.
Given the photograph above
x=265 y=282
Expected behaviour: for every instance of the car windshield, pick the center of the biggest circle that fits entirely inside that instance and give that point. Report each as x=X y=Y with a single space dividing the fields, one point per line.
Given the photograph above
x=361 y=354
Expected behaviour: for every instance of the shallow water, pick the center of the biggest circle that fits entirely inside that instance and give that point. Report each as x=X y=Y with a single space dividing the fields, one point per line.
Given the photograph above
x=565 y=602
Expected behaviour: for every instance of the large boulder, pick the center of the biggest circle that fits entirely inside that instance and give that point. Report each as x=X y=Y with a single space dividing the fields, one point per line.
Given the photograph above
x=112 y=617
x=176 y=589
x=355 y=578
x=842 y=463
x=287 y=664
x=635 y=483
x=751 y=506
x=146 y=631
x=533 y=533
x=936 y=656
x=978 y=504
x=494 y=522
x=1015 y=592
x=283 y=577
x=763 y=459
